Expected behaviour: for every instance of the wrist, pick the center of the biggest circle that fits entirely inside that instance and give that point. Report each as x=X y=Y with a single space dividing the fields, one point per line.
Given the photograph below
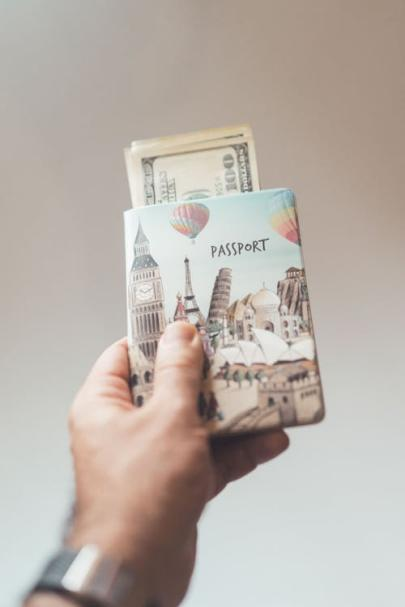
x=111 y=538
x=48 y=599
x=117 y=542
x=87 y=577
x=161 y=562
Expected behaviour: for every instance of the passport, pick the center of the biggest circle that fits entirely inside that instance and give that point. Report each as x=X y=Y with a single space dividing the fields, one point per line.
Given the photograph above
x=233 y=267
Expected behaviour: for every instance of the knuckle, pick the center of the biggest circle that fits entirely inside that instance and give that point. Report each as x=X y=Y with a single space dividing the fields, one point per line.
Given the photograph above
x=181 y=366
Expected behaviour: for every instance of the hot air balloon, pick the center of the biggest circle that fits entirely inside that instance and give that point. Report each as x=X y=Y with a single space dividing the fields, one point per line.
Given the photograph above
x=283 y=218
x=190 y=218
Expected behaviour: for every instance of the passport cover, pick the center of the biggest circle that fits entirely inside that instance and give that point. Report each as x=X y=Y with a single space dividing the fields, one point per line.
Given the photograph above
x=233 y=267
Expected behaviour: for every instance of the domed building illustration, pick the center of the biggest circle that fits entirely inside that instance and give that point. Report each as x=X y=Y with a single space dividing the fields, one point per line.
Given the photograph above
x=255 y=311
x=266 y=305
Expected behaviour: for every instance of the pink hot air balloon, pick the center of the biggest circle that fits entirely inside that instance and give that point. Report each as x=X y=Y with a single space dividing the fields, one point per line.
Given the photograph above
x=283 y=218
x=190 y=218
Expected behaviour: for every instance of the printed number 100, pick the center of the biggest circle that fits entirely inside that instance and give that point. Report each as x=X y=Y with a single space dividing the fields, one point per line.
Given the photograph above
x=230 y=173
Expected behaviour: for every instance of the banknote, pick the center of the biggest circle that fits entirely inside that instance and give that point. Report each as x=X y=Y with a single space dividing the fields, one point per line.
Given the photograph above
x=212 y=162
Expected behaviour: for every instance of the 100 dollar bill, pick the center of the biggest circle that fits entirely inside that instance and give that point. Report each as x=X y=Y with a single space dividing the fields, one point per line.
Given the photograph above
x=212 y=162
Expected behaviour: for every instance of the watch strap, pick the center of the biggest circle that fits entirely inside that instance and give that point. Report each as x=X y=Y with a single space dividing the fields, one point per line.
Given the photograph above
x=87 y=577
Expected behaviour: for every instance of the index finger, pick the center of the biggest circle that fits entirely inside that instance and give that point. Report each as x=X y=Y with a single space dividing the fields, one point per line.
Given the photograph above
x=108 y=380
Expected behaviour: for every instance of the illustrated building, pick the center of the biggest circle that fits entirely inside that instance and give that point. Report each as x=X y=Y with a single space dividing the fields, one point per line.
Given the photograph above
x=192 y=310
x=248 y=322
x=293 y=294
x=266 y=348
x=291 y=324
x=306 y=308
x=241 y=317
x=141 y=375
x=225 y=337
x=180 y=311
x=266 y=306
x=289 y=290
x=295 y=391
x=260 y=310
x=145 y=298
x=220 y=296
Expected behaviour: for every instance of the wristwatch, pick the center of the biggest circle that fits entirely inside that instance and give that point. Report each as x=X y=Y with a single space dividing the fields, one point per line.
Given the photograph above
x=88 y=578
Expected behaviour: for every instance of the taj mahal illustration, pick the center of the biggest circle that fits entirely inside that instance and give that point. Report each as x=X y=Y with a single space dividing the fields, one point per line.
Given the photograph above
x=261 y=342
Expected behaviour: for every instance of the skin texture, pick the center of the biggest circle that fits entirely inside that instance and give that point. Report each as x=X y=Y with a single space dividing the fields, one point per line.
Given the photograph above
x=143 y=476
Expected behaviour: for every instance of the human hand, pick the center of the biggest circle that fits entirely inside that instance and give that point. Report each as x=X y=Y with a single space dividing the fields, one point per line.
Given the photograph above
x=143 y=476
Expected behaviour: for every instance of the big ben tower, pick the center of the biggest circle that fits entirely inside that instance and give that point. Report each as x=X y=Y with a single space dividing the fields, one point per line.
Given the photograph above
x=145 y=297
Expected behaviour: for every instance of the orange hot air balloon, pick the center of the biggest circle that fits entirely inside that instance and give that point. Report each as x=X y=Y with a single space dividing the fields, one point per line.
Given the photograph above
x=190 y=218
x=283 y=218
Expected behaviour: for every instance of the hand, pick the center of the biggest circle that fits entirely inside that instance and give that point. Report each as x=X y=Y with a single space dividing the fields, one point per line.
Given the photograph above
x=143 y=476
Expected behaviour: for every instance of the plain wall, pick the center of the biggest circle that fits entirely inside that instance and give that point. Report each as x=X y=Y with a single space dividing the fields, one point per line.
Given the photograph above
x=322 y=84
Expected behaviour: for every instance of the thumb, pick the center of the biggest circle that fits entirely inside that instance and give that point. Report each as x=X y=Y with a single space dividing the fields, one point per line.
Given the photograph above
x=178 y=370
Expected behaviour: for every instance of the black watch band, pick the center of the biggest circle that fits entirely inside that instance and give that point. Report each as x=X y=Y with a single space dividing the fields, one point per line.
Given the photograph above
x=88 y=578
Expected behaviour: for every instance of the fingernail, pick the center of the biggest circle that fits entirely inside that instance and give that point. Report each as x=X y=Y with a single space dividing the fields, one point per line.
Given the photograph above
x=178 y=332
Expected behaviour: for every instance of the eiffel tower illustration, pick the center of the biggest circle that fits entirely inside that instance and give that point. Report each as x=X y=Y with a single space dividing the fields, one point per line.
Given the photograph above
x=192 y=310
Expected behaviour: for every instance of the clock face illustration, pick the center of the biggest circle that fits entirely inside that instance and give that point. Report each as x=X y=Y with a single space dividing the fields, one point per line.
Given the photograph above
x=144 y=291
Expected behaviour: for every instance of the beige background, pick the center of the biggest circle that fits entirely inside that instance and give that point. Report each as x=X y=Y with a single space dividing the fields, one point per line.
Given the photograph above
x=322 y=83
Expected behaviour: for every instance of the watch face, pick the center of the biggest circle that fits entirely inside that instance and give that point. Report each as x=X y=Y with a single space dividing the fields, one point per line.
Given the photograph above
x=144 y=291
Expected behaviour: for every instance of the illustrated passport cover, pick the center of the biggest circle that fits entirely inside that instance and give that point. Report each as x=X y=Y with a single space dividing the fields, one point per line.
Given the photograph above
x=233 y=267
